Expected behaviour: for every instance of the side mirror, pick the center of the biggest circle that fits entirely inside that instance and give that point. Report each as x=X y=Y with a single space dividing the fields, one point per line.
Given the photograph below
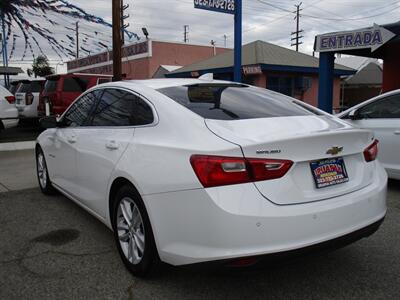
x=354 y=115
x=49 y=122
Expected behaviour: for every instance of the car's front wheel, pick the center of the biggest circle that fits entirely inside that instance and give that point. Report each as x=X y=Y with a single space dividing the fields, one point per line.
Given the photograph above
x=43 y=174
x=133 y=233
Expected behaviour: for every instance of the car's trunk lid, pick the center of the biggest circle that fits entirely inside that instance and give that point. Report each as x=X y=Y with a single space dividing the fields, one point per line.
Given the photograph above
x=302 y=139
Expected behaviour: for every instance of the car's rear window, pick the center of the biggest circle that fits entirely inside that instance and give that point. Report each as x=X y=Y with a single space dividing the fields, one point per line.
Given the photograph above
x=75 y=84
x=103 y=80
x=51 y=85
x=13 y=87
x=30 y=87
x=234 y=101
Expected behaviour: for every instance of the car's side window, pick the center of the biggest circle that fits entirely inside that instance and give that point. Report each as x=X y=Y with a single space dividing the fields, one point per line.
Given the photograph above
x=387 y=108
x=141 y=112
x=120 y=108
x=78 y=114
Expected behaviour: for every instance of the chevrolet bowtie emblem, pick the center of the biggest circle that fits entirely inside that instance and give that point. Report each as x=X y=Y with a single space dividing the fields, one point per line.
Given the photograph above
x=334 y=150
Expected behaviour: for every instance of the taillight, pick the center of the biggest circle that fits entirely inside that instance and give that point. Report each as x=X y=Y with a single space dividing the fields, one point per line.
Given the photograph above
x=265 y=169
x=10 y=99
x=218 y=170
x=28 y=98
x=371 y=152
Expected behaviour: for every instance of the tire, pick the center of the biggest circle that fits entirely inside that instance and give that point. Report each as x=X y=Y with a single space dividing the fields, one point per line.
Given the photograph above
x=134 y=235
x=43 y=174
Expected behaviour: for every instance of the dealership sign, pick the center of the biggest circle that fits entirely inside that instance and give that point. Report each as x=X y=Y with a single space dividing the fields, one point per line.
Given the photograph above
x=223 y=6
x=129 y=52
x=367 y=38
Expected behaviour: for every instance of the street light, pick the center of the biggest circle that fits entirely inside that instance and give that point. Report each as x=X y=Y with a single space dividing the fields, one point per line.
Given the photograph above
x=108 y=50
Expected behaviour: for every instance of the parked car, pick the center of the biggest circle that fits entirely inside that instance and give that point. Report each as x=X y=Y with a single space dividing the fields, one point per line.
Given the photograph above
x=7 y=109
x=191 y=170
x=381 y=115
x=27 y=97
x=61 y=90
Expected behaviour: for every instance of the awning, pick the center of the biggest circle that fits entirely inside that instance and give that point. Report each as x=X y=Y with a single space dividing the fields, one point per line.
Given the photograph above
x=10 y=70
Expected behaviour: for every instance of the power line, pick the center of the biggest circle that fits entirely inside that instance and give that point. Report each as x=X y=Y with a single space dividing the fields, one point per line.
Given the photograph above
x=327 y=18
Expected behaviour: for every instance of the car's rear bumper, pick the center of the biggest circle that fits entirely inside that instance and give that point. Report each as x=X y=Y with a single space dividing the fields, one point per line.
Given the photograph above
x=27 y=111
x=225 y=223
x=292 y=255
x=9 y=117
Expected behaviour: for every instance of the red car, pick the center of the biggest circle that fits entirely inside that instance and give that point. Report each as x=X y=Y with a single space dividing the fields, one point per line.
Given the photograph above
x=61 y=90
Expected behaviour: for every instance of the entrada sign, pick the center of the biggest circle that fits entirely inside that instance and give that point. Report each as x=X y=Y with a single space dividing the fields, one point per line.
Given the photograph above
x=223 y=6
x=373 y=38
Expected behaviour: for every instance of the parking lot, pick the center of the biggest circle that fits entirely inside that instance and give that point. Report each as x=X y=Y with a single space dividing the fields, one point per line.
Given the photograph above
x=50 y=248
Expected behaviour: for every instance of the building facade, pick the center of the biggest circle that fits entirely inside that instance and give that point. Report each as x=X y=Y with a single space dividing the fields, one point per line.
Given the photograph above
x=273 y=67
x=142 y=60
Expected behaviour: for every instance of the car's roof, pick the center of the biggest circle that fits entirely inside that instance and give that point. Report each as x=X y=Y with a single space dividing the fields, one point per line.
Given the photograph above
x=171 y=82
x=394 y=92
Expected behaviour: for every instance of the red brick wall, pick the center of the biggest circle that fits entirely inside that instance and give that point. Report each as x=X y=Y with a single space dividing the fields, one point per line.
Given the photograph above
x=309 y=96
x=178 y=54
x=391 y=66
x=163 y=53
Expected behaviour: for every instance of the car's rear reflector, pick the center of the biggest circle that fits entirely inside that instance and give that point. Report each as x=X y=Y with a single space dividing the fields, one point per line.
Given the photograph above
x=220 y=170
x=243 y=262
x=371 y=152
x=10 y=99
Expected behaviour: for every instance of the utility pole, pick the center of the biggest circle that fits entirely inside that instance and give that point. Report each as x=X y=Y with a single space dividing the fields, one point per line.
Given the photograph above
x=77 y=39
x=225 y=39
x=298 y=30
x=117 y=46
x=123 y=18
x=186 y=33
x=4 y=46
x=237 y=73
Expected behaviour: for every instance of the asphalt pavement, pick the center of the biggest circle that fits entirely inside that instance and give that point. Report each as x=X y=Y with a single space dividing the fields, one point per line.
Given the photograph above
x=27 y=130
x=50 y=248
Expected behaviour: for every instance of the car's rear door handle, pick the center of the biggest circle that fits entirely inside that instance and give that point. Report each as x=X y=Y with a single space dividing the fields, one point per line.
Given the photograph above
x=112 y=145
x=71 y=139
x=397 y=132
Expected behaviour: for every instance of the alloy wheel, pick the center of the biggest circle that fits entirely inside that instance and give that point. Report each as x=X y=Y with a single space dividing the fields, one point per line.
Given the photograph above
x=42 y=170
x=130 y=229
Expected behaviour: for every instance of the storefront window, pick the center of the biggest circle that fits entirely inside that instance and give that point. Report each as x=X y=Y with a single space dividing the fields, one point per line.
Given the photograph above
x=280 y=84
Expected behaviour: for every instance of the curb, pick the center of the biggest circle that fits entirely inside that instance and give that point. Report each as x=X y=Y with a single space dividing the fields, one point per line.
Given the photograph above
x=17 y=146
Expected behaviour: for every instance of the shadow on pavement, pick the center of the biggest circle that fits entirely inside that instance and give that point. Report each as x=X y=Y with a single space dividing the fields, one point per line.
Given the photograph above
x=27 y=130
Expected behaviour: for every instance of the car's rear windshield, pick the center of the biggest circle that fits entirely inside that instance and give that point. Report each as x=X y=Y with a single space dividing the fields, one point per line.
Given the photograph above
x=51 y=85
x=13 y=87
x=75 y=84
x=30 y=87
x=234 y=102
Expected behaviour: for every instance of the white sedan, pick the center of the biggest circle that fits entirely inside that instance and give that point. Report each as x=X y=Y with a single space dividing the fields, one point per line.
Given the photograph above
x=381 y=115
x=188 y=171
x=8 y=111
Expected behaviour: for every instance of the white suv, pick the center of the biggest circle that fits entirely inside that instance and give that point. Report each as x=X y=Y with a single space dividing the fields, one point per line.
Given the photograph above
x=7 y=109
x=27 y=97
